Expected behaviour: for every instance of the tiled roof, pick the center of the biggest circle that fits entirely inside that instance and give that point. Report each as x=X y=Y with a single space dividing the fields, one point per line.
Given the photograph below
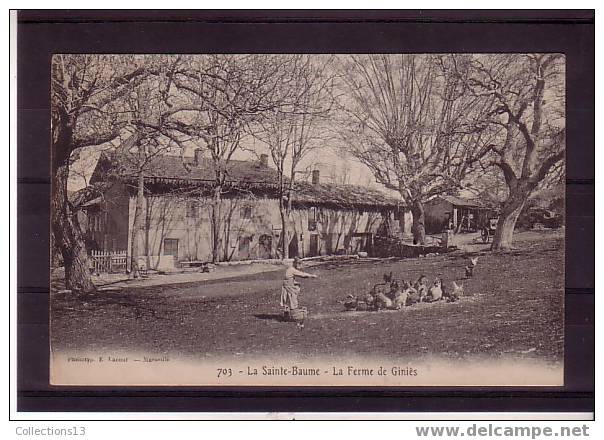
x=341 y=195
x=174 y=167
x=171 y=170
x=458 y=201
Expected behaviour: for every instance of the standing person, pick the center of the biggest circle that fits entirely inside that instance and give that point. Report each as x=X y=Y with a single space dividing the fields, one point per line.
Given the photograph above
x=291 y=288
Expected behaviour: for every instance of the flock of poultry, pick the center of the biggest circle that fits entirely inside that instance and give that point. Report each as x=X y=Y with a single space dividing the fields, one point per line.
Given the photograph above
x=395 y=294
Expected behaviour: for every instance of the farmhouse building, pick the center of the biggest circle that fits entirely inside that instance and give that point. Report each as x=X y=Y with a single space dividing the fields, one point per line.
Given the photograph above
x=179 y=211
x=459 y=214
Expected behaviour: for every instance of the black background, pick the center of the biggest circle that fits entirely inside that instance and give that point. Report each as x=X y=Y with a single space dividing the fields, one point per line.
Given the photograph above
x=42 y=33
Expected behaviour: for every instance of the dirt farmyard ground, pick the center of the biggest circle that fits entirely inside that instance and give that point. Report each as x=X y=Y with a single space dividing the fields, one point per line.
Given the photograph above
x=514 y=308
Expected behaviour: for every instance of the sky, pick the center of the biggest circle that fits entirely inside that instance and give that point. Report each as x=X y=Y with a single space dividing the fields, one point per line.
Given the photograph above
x=331 y=162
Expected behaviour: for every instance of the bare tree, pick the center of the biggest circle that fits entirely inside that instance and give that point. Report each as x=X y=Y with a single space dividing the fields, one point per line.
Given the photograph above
x=81 y=166
x=294 y=128
x=487 y=185
x=530 y=116
x=407 y=118
x=150 y=135
x=85 y=111
x=343 y=175
x=222 y=95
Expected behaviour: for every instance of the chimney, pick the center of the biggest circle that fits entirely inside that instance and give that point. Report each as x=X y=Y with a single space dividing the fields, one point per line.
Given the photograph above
x=264 y=160
x=198 y=156
x=315 y=177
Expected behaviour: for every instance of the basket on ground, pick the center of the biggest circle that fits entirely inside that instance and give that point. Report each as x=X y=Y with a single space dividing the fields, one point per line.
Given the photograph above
x=299 y=314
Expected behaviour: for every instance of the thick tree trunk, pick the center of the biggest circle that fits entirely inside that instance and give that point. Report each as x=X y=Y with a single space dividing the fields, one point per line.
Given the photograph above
x=418 y=229
x=147 y=229
x=511 y=209
x=137 y=227
x=284 y=231
x=68 y=236
x=226 y=222
x=216 y=222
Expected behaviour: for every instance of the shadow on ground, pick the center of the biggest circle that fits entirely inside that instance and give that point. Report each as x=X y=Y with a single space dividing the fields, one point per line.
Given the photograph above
x=516 y=308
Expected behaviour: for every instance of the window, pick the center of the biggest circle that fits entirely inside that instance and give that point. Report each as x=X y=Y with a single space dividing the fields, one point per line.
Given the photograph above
x=171 y=246
x=312 y=219
x=246 y=212
x=244 y=246
x=95 y=222
x=265 y=240
x=193 y=209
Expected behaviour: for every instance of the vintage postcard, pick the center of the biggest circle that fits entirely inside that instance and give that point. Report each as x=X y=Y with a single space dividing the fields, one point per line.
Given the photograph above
x=308 y=220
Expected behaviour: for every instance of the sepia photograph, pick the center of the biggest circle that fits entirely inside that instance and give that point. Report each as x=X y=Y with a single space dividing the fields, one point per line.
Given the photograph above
x=243 y=219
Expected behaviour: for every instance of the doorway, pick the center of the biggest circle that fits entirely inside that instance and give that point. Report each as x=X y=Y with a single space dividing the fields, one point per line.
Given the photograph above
x=293 y=246
x=314 y=245
x=265 y=246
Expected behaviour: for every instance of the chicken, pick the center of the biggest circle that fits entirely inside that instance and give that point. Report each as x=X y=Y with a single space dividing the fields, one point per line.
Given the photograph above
x=456 y=293
x=435 y=293
x=470 y=267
